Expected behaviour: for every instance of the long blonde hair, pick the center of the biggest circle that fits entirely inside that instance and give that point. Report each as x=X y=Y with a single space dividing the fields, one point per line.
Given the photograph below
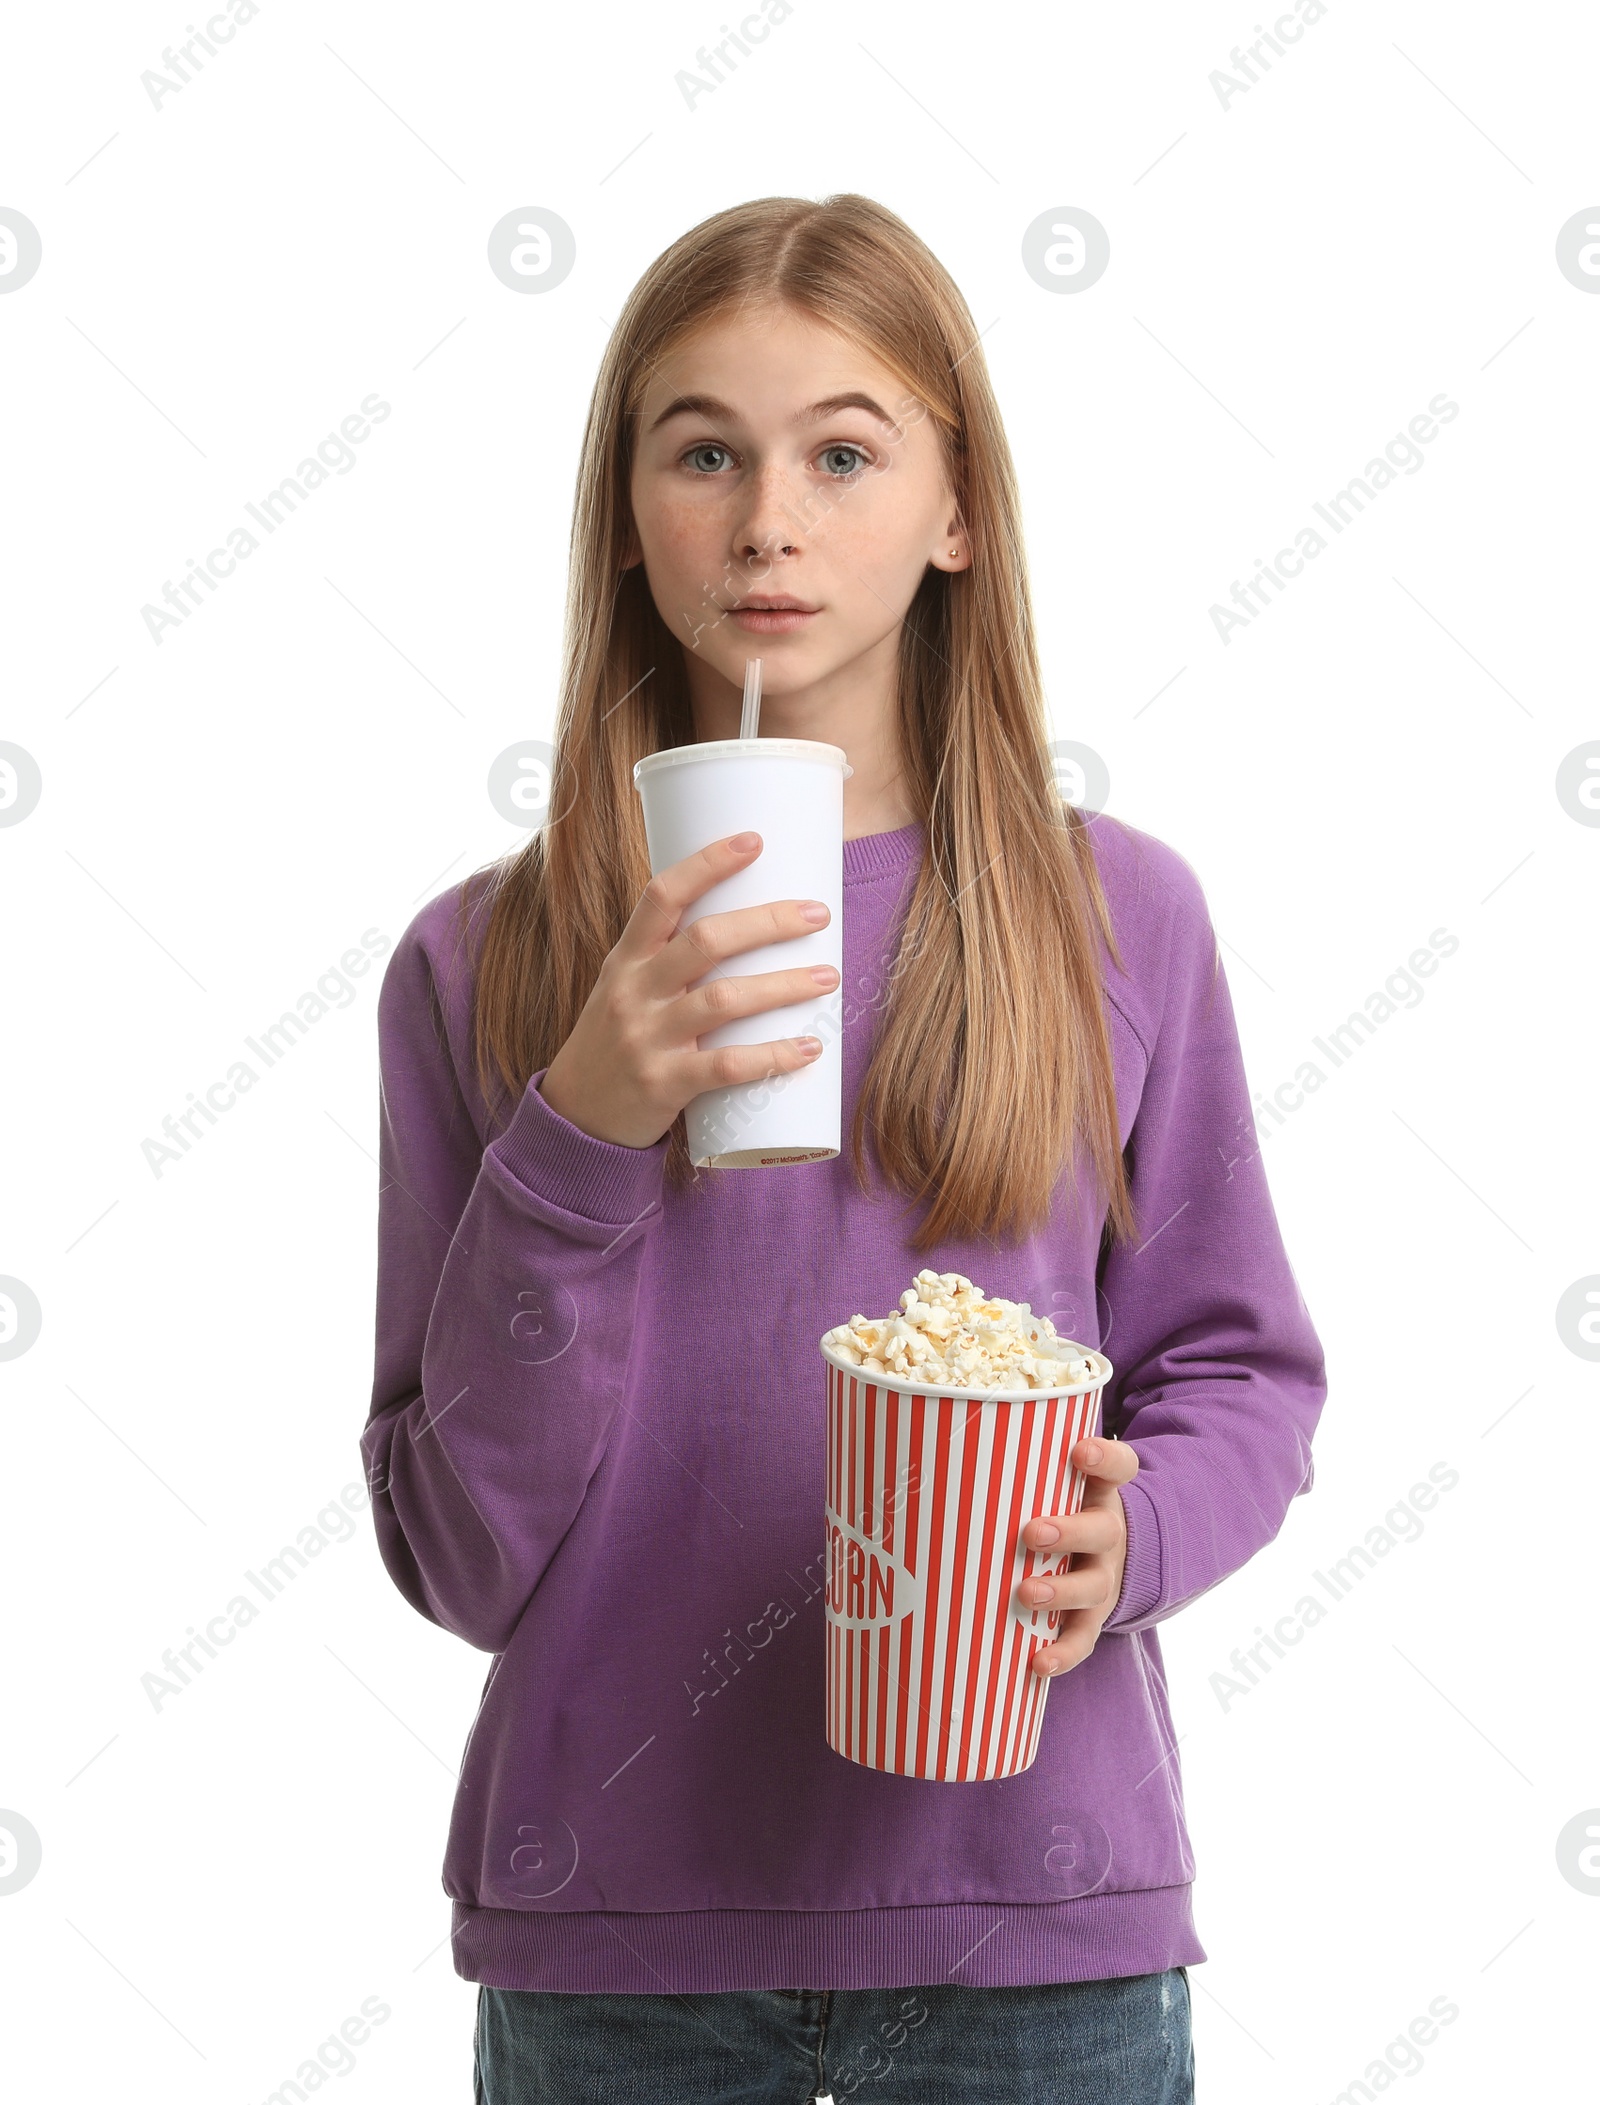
x=992 y=1052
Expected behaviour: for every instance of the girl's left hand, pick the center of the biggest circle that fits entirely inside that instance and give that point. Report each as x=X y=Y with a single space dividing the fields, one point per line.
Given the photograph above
x=1098 y=1539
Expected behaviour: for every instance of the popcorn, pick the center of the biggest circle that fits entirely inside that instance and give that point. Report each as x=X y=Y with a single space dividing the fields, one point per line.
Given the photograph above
x=950 y=1335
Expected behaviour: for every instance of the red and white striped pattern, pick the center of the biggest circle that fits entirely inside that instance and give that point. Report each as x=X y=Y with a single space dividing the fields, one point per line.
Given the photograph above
x=928 y=1648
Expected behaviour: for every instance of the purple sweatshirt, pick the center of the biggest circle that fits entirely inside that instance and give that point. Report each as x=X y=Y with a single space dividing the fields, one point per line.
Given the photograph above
x=568 y=1473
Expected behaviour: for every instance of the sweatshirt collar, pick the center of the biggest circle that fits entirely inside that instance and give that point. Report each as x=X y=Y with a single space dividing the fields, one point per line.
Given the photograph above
x=871 y=854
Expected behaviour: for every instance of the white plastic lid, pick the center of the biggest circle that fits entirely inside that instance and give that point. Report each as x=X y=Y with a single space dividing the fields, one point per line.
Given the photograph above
x=745 y=749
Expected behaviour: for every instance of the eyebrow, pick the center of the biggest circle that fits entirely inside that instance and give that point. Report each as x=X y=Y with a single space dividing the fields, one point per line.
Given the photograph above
x=712 y=408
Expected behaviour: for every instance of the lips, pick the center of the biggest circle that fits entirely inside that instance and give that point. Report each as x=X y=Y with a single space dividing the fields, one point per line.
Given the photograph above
x=777 y=615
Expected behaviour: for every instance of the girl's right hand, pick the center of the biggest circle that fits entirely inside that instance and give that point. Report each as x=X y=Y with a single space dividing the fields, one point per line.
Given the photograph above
x=632 y=1061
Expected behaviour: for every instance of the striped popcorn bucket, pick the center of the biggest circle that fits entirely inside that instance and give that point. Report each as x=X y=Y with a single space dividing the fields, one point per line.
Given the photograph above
x=928 y=1646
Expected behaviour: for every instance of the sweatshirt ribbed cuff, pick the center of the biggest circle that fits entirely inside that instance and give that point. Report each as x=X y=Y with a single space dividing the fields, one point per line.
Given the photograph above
x=1141 y=1572
x=597 y=1180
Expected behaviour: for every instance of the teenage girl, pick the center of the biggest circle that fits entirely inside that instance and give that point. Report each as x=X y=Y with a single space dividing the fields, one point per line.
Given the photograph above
x=596 y=1441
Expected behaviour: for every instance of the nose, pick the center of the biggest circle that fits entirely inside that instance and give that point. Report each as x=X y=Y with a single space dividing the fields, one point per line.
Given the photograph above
x=769 y=527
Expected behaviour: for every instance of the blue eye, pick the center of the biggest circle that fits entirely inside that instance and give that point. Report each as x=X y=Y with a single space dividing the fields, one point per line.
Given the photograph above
x=845 y=473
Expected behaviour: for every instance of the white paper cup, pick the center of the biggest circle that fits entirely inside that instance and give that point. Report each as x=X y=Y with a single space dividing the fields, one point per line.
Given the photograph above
x=791 y=792
x=928 y=1492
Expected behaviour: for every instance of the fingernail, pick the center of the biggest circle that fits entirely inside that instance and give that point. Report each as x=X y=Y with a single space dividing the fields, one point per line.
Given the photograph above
x=1049 y=1533
x=814 y=911
x=809 y=1046
x=741 y=843
x=1092 y=1450
x=824 y=975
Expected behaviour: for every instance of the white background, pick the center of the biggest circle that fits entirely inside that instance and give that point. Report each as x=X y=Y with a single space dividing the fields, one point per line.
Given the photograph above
x=1292 y=279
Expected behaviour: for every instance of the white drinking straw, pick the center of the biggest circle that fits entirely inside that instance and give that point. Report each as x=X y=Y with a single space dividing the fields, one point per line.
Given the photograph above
x=750 y=713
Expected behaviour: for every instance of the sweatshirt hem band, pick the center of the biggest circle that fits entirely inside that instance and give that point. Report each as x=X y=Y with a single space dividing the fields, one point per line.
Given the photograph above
x=975 y=1944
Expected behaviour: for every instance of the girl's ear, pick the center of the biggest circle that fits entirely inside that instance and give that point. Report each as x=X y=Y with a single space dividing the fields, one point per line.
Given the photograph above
x=632 y=553
x=951 y=551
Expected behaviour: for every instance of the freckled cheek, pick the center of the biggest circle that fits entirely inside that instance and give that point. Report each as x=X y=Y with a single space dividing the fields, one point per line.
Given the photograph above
x=681 y=537
x=870 y=558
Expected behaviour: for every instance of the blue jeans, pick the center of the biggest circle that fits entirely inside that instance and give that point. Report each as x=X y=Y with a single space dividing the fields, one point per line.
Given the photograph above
x=1117 y=2042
